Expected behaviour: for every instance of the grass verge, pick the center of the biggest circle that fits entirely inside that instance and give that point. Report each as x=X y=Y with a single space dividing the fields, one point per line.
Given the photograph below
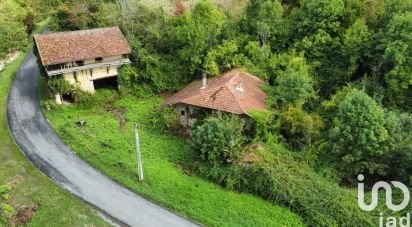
x=107 y=143
x=56 y=207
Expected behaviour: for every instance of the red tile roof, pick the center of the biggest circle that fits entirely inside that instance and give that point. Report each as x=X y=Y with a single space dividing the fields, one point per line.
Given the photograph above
x=222 y=93
x=63 y=47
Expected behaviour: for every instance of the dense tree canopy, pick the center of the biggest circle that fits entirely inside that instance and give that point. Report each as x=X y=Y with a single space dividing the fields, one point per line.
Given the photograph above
x=398 y=54
x=264 y=20
x=338 y=72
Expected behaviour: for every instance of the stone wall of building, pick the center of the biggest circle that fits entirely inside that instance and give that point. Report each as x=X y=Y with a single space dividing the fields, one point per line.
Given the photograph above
x=84 y=79
x=186 y=114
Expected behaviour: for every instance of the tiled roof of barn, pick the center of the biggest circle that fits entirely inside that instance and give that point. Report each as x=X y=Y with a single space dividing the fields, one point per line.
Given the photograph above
x=222 y=93
x=63 y=47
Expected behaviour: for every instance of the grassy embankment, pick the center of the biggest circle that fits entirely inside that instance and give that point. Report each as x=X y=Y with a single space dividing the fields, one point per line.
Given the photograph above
x=108 y=145
x=28 y=186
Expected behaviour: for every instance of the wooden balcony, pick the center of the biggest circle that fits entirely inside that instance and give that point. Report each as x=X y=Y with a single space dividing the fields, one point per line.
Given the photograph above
x=68 y=69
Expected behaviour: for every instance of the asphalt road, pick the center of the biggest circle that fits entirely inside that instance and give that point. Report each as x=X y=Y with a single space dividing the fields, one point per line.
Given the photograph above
x=47 y=152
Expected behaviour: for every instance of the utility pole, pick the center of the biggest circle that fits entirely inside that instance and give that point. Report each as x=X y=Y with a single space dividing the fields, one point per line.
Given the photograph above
x=139 y=159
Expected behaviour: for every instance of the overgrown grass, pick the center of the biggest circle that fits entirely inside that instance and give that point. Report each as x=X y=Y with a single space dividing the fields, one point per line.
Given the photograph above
x=29 y=186
x=109 y=146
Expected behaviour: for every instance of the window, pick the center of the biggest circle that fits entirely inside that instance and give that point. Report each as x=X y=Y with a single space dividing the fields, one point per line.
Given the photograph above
x=80 y=63
x=75 y=76
x=55 y=67
x=182 y=113
x=108 y=70
x=98 y=59
x=124 y=55
x=91 y=72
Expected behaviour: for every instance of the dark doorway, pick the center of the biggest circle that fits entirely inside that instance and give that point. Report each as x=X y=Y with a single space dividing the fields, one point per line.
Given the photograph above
x=68 y=98
x=109 y=82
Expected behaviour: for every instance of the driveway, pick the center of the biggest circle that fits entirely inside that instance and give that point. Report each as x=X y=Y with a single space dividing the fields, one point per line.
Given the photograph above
x=42 y=146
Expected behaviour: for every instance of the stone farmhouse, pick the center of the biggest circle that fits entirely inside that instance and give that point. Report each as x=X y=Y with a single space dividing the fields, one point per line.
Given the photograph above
x=236 y=92
x=83 y=57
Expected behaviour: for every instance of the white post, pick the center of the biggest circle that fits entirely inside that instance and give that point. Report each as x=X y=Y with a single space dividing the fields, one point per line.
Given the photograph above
x=58 y=99
x=139 y=159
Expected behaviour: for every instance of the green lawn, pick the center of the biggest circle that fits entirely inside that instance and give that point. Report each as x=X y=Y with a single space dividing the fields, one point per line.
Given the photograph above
x=109 y=146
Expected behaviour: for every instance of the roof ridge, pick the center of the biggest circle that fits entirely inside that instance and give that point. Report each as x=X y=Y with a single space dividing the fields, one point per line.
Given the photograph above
x=223 y=87
x=234 y=95
x=76 y=31
x=64 y=47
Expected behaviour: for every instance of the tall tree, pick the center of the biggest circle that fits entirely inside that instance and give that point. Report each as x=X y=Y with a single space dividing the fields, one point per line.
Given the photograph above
x=359 y=137
x=356 y=42
x=264 y=20
x=197 y=32
x=398 y=54
x=318 y=26
x=294 y=87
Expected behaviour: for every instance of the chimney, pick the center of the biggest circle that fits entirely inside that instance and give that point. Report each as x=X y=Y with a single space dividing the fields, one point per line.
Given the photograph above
x=204 y=81
x=239 y=86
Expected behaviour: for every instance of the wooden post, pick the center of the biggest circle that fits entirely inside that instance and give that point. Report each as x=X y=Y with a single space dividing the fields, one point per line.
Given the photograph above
x=139 y=159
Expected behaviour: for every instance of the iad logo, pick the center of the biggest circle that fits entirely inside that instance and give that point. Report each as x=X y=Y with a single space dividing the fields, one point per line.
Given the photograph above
x=388 y=189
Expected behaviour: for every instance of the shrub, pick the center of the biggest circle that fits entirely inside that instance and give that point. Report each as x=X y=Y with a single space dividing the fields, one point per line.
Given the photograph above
x=263 y=125
x=6 y=210
x=219 y=139
x=4 y=190
x=87 y=99
x=128 y=76
x=166 y=119
x=298 y=127
x=59 y=85
x=294 y=87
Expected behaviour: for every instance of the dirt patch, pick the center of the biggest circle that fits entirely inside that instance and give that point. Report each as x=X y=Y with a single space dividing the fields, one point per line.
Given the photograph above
x=166 y=95
x=24 y=214
x=9 y=58
x=118 y=113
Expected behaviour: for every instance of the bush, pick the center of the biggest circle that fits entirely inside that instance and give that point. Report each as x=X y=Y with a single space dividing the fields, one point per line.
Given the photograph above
x=4 y=190
x=6 y=210
x=87 y=99
x=299 y=128
x=219 y=139
x=263 y=125
x=128 y=76
x=166 y=119
x=294 y=88
x=59 y=85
